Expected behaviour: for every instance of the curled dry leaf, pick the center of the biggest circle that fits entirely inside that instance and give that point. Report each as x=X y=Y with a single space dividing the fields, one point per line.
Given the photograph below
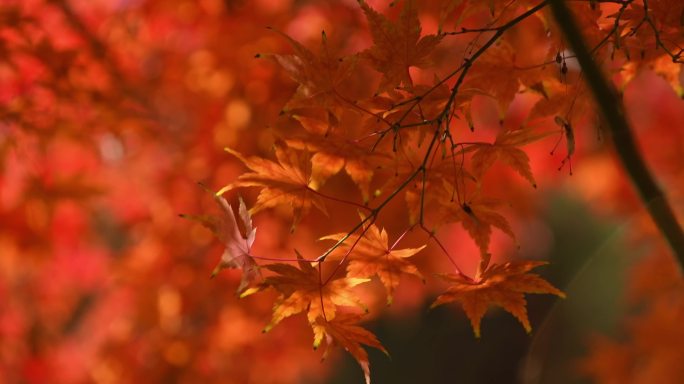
x=238 y=246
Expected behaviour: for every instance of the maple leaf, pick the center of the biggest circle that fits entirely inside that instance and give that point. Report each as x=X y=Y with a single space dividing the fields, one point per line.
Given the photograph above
x=426 y=200
x=286 y=182
x=505 y=148
x=397 y=45
x=317 y=75
x=345 y=332
x=237 y=252
x=494 y=74
x=334 y=153
x=502 y=285
x=301 y=290
x=555 y=100
x=372 y=256
x=478 y=216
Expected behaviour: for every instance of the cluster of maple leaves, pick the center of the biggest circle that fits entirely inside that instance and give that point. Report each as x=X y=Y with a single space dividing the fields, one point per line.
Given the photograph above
x=406 y=138
x=110 y=110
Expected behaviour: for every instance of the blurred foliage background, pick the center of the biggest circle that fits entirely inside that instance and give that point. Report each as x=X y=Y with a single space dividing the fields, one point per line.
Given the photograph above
x=112 y=110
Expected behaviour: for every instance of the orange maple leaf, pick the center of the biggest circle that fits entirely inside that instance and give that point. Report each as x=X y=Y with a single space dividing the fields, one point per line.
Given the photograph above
x=301 y=290
x=503 y=285
x=505 y=148
x=397 y=45
x=318 y=75
x=332 y=154
x=371 y=256
x=345 y=332
x=477 y=215
x=238 y=246
x=286 y=182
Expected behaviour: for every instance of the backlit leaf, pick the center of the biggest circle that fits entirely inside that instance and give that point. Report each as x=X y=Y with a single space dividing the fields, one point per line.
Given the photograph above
x=286 y=182
x=371 y=256
x=333 y=153
x=502 y=285
x=301 y=290
x=478 y=215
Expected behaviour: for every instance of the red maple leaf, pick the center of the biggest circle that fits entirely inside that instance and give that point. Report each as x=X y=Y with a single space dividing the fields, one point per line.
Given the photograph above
x=332 y=154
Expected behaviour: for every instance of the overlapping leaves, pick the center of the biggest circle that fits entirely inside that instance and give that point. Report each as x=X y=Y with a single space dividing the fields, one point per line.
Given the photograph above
x=301 y=290
x=370 y=255
x=404 y=138
x=285 y=182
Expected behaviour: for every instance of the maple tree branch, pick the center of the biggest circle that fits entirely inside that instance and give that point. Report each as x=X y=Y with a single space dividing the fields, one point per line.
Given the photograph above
x=613 y=111
x=462 y=71
x=614 y=30
x=676 y=57
x=337 y=199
